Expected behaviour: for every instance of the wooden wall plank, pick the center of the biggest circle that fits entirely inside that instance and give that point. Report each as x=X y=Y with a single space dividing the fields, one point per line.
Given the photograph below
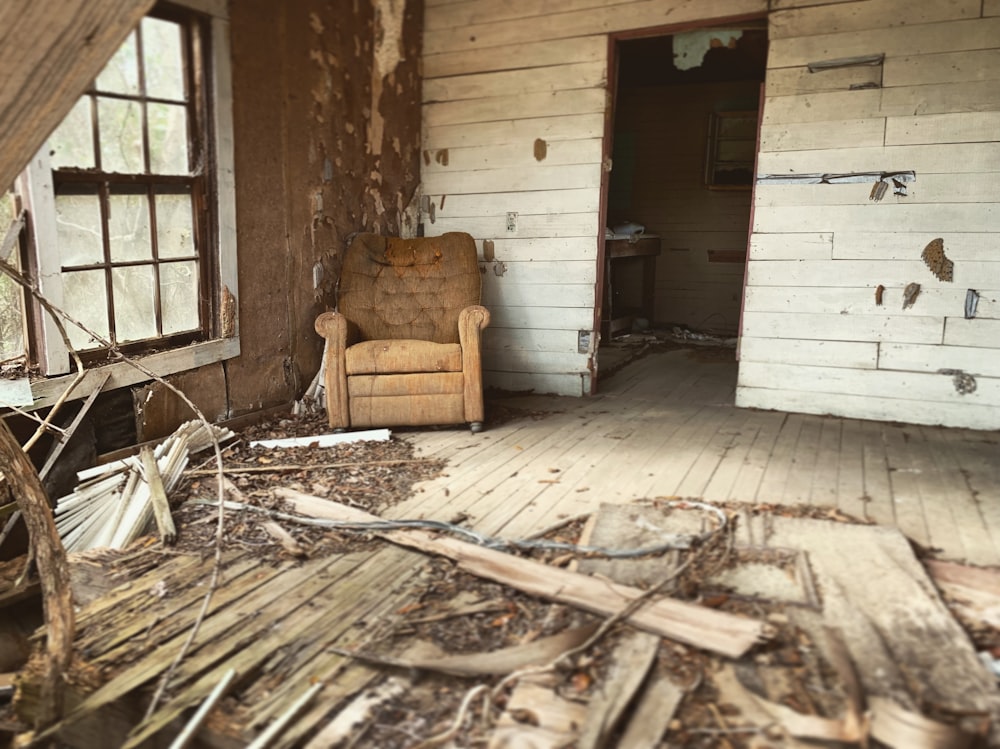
x=798 y=80
x=971 y=96
x=807 y=136
x=541 y=317
x=531 y=55
x=545 y=272
x=920 y=39
x=461 y=15
x=991 y=8
x=516 y=82
x=984 y=334
x=966 y=415
x=524 y=203
x=547 y=248
x=959 y=246
x=490 y=110
x=836 y=273
x=947 y=67
x=942 y=159
x=968 y=127
x=507 y=131
x=556 y=341
x=520 y=153
x=541 y=225
x=859 y=16
x=574 y=385
x=785 y=246
x=915 y=386
x=896 y=328
x=530 y=361
x=928 y=188
x=849 y=354
x=605 y=19
x=530 y=294
x=934 y=301
x=513 y=179
x=914 y=358
x=880 y=217
x=582 y=101
x=786 y=4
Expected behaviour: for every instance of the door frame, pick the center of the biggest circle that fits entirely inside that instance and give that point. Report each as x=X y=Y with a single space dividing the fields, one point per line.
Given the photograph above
x=607 y=148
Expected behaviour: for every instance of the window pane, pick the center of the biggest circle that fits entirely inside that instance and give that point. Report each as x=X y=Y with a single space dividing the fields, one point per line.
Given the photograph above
x=134 y=303
x=168 y=138
x=78 y=226
x=85 y=298
x=11 y=299
x=128 y=227
x=162 y=53
x=72 y=144
x=174 y=224
x=179 y=296
x=121 y=74
x=121 y=135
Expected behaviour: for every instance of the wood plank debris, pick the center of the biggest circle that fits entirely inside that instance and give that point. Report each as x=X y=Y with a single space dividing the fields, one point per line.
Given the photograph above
x=358 y=712
x=909 y=652
x=705 y=628
x=537 y=717
x=504 y=661
x=326 y=440
x=631 y=660
x=114 y=503
x=657 y=705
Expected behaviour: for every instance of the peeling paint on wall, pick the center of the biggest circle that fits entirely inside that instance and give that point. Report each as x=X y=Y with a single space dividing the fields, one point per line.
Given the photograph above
x=388 y=54
x=691 y=47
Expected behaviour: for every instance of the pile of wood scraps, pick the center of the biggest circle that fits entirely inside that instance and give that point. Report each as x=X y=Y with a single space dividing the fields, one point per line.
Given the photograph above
x=777 y=631
x=113 y=504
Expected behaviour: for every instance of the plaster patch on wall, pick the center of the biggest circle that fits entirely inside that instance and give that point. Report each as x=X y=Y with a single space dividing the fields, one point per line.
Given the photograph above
x=691 y=47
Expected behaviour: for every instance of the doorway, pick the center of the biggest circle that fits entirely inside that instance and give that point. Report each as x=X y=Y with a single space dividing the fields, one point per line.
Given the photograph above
x=683 y=133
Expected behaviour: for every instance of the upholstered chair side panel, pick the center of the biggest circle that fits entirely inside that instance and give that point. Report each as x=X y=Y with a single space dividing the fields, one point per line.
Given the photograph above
x=471 y=323
x=333 y=327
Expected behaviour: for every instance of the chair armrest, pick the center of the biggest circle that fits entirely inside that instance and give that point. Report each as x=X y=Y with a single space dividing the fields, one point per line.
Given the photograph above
x=333 y=326
x=471 y=322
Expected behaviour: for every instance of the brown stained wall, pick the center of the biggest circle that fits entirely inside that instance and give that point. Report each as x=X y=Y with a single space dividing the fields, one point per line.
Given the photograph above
x=308 y=175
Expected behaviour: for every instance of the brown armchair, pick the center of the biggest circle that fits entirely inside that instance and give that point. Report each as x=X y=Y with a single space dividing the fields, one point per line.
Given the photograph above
x=403 y=349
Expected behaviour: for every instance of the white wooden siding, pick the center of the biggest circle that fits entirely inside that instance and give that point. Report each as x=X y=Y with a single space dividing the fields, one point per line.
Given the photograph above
x=500 y=76
x=503 y=74
x=814 y=338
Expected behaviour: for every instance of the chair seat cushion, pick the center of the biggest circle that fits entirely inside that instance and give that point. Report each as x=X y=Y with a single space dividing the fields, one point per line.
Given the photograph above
x=402 y=356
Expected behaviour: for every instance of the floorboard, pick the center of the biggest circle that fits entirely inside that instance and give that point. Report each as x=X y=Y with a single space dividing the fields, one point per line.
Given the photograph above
x=665 y=425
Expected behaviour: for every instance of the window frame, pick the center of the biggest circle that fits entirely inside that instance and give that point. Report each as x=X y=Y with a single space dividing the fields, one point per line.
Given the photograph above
x=218 y=261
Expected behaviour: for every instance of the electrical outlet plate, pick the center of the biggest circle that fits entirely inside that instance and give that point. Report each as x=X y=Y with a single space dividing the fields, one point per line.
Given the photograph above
x=511 y=222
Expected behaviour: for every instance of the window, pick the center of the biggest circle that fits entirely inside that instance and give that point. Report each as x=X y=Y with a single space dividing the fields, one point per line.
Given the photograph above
x=732 y=145
x=125 y=197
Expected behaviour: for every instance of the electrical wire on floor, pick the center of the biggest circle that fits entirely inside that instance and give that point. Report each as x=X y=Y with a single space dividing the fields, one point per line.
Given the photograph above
x=674 y=541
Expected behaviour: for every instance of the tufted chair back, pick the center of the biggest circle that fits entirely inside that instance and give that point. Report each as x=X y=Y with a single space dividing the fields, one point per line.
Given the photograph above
x=392 y=288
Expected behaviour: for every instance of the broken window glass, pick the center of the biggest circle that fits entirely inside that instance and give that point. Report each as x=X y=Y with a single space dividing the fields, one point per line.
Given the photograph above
x=72 y=144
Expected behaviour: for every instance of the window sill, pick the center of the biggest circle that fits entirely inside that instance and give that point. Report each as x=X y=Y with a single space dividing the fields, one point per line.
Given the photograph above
x=47 y=391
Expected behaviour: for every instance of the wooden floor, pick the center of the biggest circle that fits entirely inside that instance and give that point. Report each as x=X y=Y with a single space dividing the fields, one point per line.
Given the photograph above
x=665 y=425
